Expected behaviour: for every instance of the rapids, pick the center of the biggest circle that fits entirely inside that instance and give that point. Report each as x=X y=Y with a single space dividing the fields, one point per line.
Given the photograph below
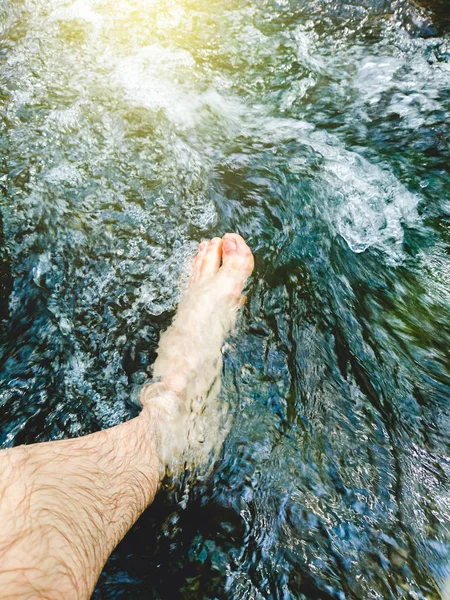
x=319 y=130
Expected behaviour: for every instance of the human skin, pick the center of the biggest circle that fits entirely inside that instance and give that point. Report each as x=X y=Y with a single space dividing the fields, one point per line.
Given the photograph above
x=65 y=505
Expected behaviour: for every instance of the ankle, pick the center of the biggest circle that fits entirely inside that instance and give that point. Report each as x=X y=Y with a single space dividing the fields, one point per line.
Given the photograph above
x=165 y=417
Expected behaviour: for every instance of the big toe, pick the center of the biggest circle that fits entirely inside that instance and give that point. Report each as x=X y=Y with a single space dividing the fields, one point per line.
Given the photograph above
x=236 y=255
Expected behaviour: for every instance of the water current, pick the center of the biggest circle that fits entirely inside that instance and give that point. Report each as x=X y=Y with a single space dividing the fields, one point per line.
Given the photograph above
x=319 y=130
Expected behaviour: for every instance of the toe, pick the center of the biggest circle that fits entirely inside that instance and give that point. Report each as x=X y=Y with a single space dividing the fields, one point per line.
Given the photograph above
x=212 y=258
x=236 y=254
x=198 y=260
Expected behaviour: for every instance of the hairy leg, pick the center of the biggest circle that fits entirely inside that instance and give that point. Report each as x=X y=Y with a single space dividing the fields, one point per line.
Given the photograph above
x=65 y=505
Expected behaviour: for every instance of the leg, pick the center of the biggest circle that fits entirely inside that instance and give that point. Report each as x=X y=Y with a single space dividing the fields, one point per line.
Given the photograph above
x=65 y=505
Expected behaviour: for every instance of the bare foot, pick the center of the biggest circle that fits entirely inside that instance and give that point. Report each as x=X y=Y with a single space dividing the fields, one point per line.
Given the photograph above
x=189 y=362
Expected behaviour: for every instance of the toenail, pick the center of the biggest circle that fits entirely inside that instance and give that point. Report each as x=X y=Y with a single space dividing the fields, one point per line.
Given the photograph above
x=229 y=244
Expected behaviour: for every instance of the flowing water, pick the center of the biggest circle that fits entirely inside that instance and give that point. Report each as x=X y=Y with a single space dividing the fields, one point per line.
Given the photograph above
x=319 y=130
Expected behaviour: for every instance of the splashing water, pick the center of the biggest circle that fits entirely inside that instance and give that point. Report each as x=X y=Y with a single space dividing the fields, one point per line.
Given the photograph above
x=132 y=129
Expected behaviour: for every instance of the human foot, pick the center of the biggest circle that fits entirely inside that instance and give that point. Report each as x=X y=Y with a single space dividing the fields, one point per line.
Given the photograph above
x=191 y=346
x=189 y=354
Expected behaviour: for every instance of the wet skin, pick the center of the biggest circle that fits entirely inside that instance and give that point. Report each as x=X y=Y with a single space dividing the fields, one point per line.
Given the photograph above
x=65 y=505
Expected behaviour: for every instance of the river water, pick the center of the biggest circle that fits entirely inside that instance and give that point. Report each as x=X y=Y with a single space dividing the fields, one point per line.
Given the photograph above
x=319 y=130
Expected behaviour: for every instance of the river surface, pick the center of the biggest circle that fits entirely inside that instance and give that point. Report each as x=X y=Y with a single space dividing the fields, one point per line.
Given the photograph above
x=319 y=130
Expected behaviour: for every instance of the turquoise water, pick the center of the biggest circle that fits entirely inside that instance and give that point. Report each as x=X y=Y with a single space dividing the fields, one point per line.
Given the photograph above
x=318 y=130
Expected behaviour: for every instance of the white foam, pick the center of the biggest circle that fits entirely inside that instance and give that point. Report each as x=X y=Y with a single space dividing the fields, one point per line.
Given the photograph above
x=151 y=79
x=161 y=78
x=306 y=43
x=362 y=202
x=372 y=206
x=80 y=10
x=409 y=85
x=64 y=117
x=64 y=173
x=375 y=75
